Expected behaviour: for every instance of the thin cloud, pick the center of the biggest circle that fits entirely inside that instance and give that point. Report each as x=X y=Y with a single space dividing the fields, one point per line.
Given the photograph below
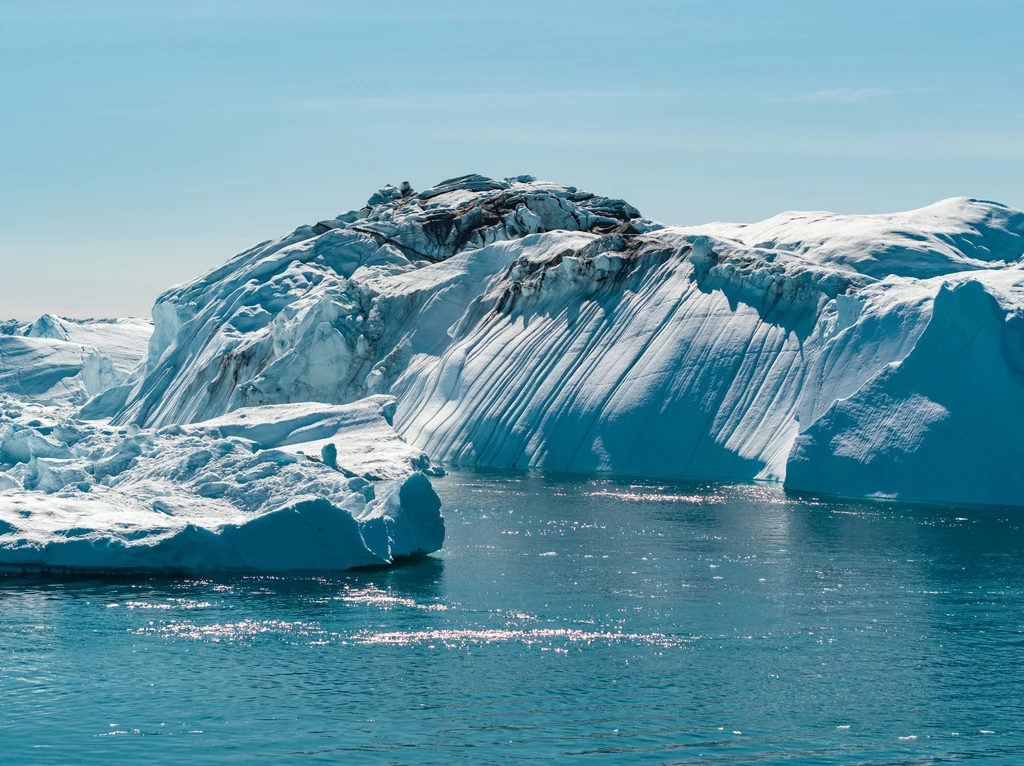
x=845 y=95
x=987 y=146
x=454 y=101
x=201 y=11
x=852 y=95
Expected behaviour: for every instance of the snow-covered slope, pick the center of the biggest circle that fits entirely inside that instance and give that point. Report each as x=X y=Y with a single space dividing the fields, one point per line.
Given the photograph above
x=953 y=235
x=267 y=488
x=70 y=360
x=524 y=324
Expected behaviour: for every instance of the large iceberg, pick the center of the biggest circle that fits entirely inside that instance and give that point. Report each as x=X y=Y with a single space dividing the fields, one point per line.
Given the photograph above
x=528 y=324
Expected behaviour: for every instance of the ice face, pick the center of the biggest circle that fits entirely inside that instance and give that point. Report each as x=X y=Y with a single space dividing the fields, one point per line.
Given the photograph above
x=943 y=423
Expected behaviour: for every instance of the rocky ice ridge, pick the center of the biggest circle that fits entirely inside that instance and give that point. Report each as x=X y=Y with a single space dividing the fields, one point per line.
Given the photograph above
x=303 y=487
x=299 y=318
x=528 y=324
x=68 y=360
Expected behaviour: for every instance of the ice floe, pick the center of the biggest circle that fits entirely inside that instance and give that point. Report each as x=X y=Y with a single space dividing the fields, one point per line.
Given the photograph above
x=249 y=491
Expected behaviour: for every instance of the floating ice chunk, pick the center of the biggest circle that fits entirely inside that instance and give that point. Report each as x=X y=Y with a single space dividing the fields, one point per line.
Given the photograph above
x=206 y=497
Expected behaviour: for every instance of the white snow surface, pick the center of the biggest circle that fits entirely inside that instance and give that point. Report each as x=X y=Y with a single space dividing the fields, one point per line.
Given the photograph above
x=528 y=324
x=256 y=490
x=66 y=360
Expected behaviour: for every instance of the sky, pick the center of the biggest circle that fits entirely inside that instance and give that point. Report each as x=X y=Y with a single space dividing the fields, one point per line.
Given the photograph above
x=145 y=143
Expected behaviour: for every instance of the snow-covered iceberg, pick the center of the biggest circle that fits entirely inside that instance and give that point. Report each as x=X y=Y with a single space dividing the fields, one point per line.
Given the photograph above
x=528 y=324
x=308 y=487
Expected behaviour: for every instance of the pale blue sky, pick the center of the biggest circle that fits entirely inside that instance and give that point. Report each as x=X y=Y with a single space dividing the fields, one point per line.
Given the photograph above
x=144 y=143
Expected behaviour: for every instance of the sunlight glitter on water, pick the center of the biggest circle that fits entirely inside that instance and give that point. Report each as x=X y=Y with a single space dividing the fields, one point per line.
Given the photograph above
x=373 y=596
x=169 y=604
x=243 y=630
x=659 y=497
x=458 y=638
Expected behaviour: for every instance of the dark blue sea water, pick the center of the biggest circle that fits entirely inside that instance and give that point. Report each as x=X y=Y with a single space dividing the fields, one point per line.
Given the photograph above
x=567 y=620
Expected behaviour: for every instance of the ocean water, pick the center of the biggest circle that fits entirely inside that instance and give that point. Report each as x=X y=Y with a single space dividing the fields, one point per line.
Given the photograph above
x=567 y=620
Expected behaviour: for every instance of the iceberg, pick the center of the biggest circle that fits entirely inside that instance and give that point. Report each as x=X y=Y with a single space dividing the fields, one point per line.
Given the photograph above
x=58 y=359
x=250 y=491
x=281 y=414
x=528 y=324
x=942 y=424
